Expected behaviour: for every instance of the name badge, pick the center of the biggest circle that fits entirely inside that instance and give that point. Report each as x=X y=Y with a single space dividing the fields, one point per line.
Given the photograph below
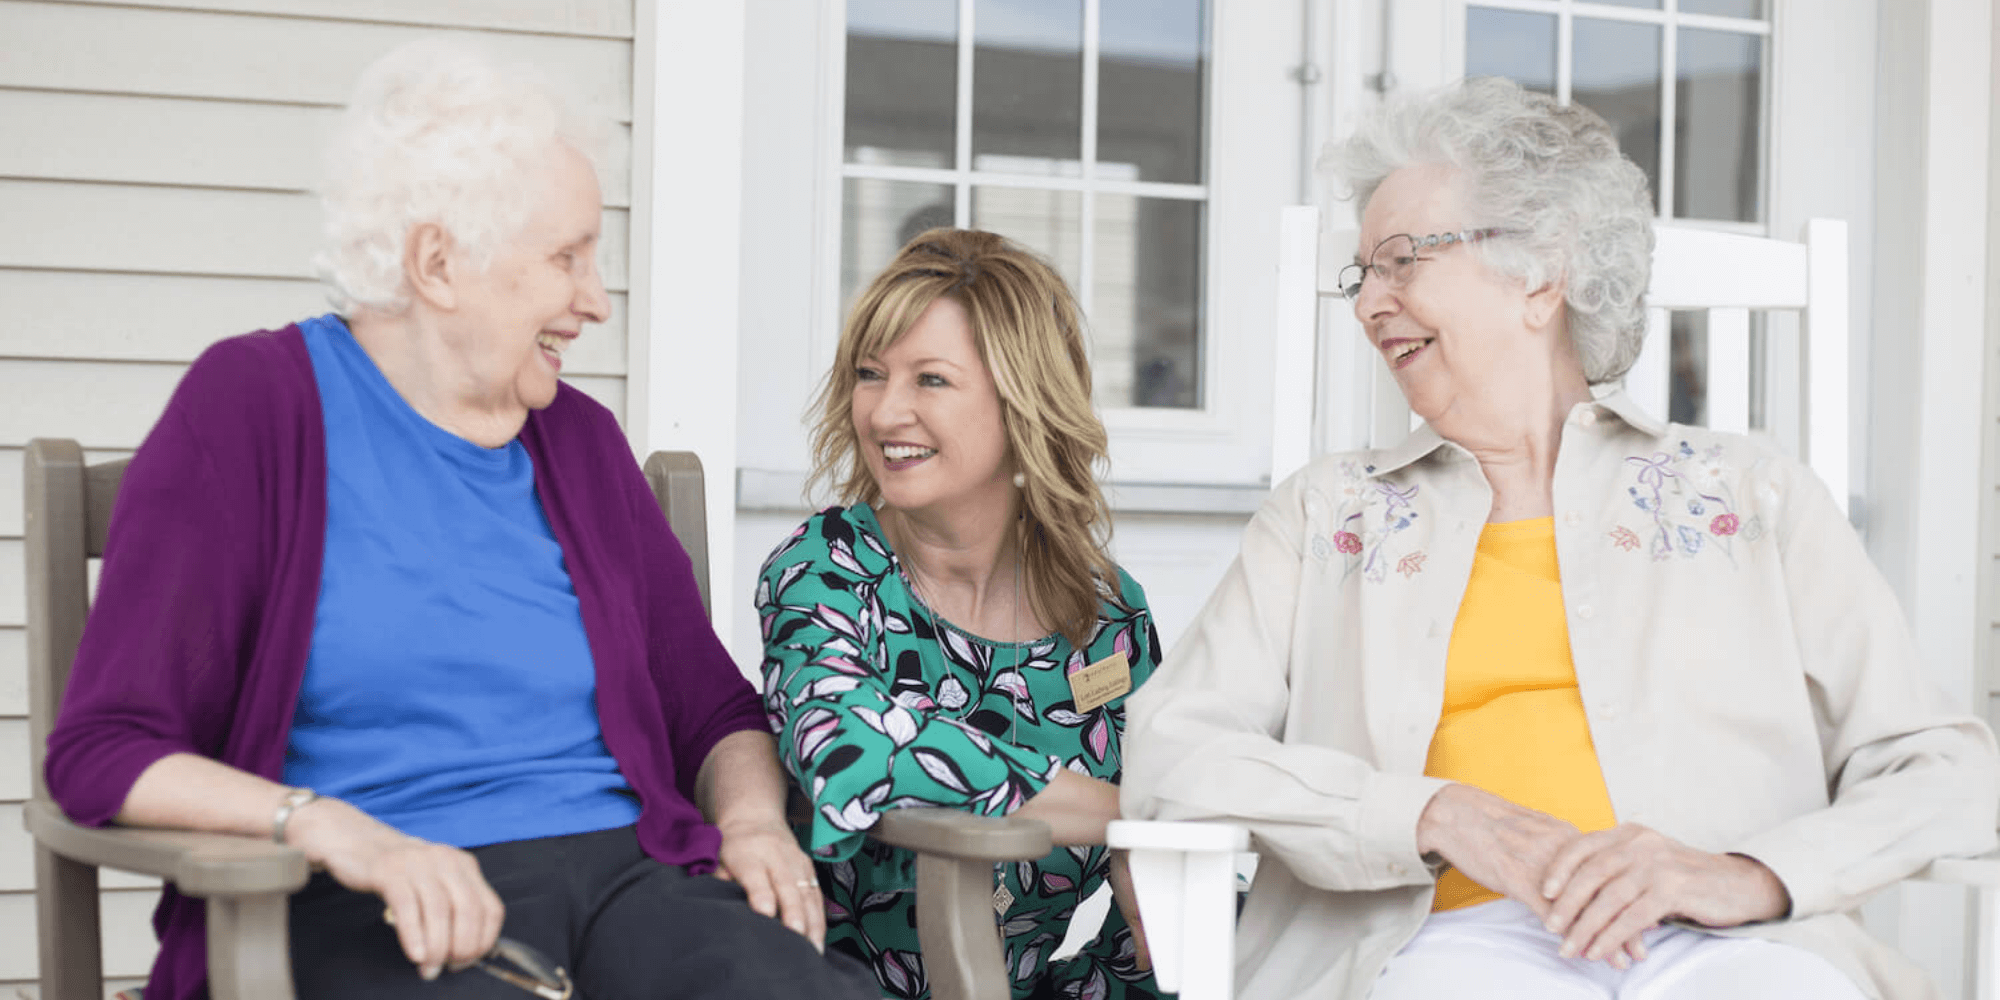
x=1100 y=682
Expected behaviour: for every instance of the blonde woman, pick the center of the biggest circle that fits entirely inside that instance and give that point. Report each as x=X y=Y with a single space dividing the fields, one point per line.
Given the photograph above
x=957 y=636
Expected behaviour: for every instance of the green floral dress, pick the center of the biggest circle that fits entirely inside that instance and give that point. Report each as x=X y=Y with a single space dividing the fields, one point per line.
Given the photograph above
x=878 y=704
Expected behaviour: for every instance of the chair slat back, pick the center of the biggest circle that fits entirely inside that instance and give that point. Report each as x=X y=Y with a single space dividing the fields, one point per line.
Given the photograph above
x=1728 y=276
x=67 y=507
x=676 y=478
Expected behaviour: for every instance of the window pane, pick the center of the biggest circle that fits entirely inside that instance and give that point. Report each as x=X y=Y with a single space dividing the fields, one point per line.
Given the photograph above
x=1724 y=8
x=1048 y=222
x=1718 y=120
x=1647 y=4
x=1518 y=46
x=1146 y=311
x=1152 y=70
x=876 y=219
x=1616 y=73
x=1027 y=92
x=902 y=75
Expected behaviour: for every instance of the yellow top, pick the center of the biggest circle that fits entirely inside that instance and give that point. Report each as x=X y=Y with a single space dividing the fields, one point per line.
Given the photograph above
x=1513 y=720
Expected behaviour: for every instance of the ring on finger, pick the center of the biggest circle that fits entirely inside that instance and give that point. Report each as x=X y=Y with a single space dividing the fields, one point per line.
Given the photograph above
x=808 y=883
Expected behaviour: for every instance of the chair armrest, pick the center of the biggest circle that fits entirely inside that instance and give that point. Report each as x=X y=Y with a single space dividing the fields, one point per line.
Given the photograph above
x=198 y=864
x=1981 y=872
x=951 y=834
x=1160 y=835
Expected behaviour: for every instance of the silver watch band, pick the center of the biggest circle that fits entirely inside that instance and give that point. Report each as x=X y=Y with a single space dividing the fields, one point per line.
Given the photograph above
x=294 y=800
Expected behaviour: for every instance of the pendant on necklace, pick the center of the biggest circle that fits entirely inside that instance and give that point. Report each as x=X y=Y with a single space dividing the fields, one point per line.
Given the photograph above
x=1002 y=899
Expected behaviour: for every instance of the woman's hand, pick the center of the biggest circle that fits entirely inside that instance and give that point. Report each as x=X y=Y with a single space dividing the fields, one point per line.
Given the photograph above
x=1127 y=899
x=1509 y=849
x=763 y=858
x=446 y=915
x=1611 y=886
x=1502 y=846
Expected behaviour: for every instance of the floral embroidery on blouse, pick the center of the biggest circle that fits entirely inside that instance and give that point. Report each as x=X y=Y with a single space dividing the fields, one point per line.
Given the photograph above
x=1372 y=513
x=1689 y=502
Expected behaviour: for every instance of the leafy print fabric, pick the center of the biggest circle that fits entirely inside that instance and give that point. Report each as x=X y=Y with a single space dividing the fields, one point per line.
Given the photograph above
x=878 y=705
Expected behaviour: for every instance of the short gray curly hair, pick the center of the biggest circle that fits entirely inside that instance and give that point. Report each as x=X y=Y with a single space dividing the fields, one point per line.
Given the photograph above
x=1551 y=175
x=438 y=131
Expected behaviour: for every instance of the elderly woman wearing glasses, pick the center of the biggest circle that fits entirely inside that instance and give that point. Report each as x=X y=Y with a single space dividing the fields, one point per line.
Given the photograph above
x=379 y=586
x=1551 y=698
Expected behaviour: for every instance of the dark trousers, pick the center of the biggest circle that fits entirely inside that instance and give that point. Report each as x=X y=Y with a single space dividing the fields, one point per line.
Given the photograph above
x=625 y=926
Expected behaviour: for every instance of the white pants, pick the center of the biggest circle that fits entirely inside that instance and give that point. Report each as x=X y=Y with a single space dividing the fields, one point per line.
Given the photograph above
x=1500 y=949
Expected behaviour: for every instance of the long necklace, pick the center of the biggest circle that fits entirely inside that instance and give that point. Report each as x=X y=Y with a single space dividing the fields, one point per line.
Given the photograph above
x=939 y=623
x=1003 y=900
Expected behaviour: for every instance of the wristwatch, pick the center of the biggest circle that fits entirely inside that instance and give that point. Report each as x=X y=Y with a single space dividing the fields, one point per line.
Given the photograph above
x=294 y=800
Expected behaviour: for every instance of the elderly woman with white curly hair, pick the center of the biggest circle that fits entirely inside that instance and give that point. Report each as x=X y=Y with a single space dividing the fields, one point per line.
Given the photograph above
x=1552 y=699
x=379 y=586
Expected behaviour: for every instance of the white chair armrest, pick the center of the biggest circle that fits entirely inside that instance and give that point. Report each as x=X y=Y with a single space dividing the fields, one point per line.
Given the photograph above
x=1185 y=878
x=1134 y=835
x=1981 y=872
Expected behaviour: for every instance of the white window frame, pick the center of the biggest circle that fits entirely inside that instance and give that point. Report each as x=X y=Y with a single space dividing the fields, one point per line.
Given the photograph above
x=1252 y=170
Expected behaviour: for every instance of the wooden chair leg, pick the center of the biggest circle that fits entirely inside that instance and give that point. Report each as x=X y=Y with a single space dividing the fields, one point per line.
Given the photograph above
x=956 y=929
x=72 y=958
x=249 y=955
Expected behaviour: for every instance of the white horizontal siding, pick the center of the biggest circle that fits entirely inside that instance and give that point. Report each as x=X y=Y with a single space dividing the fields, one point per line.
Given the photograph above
x=136 y=139
x=13 y=673
x=13 y=603
x=608 y=18
x=108 y=316
x=174 y=53
x=153 y=182
x=75 y=226
x=126 y=915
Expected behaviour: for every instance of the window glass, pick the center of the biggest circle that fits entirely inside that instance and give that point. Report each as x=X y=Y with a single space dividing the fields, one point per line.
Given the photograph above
x=902 y=73
x=1519 y=46
x=876 y=218
x=1724 y=8
x=1718 y=126
x=1147 y=302
x=1151 y=75
x=1027 y=92
x=1616 y=73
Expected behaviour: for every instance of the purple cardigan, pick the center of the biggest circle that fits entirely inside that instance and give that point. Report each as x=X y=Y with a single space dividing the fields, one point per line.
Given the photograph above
x=198 y=640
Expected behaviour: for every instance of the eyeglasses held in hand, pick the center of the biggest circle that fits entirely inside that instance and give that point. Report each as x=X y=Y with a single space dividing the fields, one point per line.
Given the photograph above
x=520 y=965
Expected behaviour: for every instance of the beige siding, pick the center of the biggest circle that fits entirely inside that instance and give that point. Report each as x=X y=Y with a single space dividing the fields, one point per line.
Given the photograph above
x=154 y=185
x=135 y=139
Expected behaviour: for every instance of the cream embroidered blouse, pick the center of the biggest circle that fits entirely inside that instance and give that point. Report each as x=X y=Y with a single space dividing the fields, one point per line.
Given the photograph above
x=1749 y=682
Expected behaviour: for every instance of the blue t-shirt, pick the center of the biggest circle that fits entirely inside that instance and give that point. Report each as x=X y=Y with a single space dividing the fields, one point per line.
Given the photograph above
x=450 y=690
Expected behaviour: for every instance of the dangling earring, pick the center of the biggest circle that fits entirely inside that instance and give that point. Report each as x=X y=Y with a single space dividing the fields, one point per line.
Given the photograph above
x=1020 y=481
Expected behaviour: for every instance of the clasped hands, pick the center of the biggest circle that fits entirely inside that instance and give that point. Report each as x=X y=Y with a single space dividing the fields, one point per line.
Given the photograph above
x=1601 y=891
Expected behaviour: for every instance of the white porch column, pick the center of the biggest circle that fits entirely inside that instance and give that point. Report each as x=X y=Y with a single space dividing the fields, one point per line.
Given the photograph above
x=1933 y=159
x=688 y=61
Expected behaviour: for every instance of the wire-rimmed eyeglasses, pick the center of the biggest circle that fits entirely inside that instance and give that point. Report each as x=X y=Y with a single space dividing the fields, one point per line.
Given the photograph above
x=1395 y=258
x=521 y=965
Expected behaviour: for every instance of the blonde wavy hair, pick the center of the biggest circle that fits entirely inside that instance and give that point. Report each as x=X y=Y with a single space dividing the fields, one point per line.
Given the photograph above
x=1029 y=332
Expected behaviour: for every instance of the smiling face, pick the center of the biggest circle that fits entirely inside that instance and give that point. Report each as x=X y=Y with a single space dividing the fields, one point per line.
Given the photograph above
x=516 y=317
x=928 y=417
x=1454 y=331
